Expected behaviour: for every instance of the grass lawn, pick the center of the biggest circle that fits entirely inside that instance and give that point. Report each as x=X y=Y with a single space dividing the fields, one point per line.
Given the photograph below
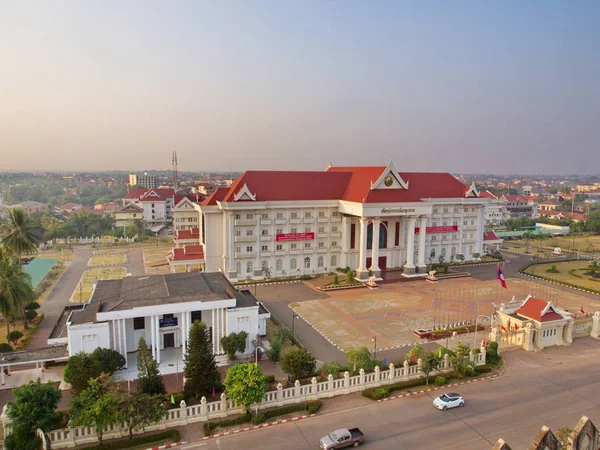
x=83 y=291
x=60 y=256
x=19 y=326
x=583 y=243
x=111 y=251
x=532 y=252
x=572 y=272
x=107 y=260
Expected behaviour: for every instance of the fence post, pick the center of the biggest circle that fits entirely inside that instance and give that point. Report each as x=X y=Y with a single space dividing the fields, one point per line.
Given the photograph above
x=483 y=352
x=472 y=355
x=223 y=403
x=314 y=387
x=279 y=394
x=527 y=339
x=203 y=409
x=347 y=381
x=596 y=325
x=329 y=384
x=406 y=365
x=392 y=373
x=377 y=370
x=446 y=361
x=297 y=392
x=361 y=375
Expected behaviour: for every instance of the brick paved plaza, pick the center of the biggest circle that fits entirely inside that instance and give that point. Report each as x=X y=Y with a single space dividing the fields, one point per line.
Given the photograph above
x=351 y=318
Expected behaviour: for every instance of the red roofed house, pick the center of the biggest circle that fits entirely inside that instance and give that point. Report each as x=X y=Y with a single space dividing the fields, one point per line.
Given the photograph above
x=288 y=223
x=68 y=208
x=156 y=205
x=520 y=205
x=491 y=242
x=534 y=324
x=188 y=256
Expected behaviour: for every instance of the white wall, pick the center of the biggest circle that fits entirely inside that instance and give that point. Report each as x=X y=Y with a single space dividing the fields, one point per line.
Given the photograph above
x=214 y=242
x=88 y=337
x=236 y=322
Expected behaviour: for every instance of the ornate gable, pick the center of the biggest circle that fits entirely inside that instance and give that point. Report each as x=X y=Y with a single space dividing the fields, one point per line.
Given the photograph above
x=184 y=204
x=472 y=192
x=244 y=194
x=389 y=179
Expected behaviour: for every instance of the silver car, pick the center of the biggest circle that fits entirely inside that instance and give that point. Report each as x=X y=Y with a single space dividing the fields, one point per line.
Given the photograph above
x=447 y=401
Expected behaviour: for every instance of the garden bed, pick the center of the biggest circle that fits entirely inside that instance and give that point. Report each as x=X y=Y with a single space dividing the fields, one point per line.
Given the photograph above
x=452 y=275
x=336 y=287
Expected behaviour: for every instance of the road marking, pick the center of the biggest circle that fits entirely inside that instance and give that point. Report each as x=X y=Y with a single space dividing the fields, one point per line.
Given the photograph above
x=195 y=445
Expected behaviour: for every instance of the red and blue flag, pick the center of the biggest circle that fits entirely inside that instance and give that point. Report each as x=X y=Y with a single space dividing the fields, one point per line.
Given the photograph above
x=500 y=277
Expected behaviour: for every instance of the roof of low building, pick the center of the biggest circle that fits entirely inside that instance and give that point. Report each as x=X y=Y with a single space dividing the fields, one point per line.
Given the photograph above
x=129 y=208
x=193 y=233
x=491 y=236
x=188 y=253
x=539 y=310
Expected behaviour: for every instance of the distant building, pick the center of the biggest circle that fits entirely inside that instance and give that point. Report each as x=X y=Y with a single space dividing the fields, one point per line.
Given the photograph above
x=156 y=205
x=32 y=207
x=527 y=190
x=520 y=205
x=185 y=215
x=206 y=188
x=108 y=207
x=128 y=214
x=548 y=205
x=495 y=211
x=69 y=208
x=146 y=181
x=586 y=187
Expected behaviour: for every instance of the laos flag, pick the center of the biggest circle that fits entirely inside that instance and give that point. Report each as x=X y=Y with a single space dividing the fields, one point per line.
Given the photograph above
x=500 y=277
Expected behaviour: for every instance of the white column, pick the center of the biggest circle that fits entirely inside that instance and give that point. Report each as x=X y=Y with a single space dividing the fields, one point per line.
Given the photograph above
x=345 y=241
x=361 y=271
x=153 y=336
x=479 y=231
x=157 y=338
x=214 y=330
x=422 y=234
x=125 y=341
x=114 y=334
x=258 y=262
x=375 y=249
x=410 y=246
x=184 y=333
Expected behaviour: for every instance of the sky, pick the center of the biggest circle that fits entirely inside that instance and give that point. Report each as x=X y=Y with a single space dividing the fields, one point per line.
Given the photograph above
x=460 y=86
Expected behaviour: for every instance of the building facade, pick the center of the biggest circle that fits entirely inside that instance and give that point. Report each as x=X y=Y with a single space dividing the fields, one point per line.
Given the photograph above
x=161 y=309
x=519 y=206
x=495 y=211
x=156 y=204
x=293 y=223
x=146 y=181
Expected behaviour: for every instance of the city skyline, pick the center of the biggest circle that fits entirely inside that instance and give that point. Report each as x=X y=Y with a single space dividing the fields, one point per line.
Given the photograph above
x=463 y=88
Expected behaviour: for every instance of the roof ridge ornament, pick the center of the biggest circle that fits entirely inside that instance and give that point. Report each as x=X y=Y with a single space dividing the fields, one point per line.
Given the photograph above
x=244 y=191
x=389 y=179
x=472 y=192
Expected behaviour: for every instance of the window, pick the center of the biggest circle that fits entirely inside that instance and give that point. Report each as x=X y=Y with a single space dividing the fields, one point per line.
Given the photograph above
x=453 y=251
x=308 y=215
x=264 y=248
x=279 y=215
x=455 y=223
x=279 y=265
x=264 y=216
x=249 y=233
x=238 y=249
x=433 y=238
x=334 y=229
x=445 y=210
x=444 y=237
x=139 y=323
x=249 y=249
x=443 y=252
x=153 y=205
x=434 y=224
x=335 y=214
x=293 y=264
x=249 y=267
x=265 y=232
x=321 y=229
x=334 y=243
x=320 y=261
x=321 y=215
x=238 y=268
x=307 y=230
x=279 y=231
x=470 y=250
x=294 y=246
x=307 y=263
x=307 y=245
x=237 y=217
x=465 y=222
x=238 y=232
x=432 y=254
x=196 y=315
x=294 y=215
x=455 y=210
x=321 y=244
x=473 y=209
x=435 y=210
x=89 y=337
x=249 y=216
x=333 y=261
x=444 y=224
x=293 y=230
x=279 y=247
x=454 y=237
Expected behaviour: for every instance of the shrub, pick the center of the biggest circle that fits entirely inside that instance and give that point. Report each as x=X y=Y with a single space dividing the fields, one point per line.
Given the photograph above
x=305 y=277
x=336 y=280
x=32 y=305
x=313 y=407
x=208 y=428
x=14 y=336
x=376 y=393
x=349 y=277
x=30 y=314
x=471 y=372
x=332 y=367
x=274 y=353
x=270 y=378
x=483 y=369
x=298 y=363
x=439 y=381
x=172 y=435
x=260 y=418
x=491 y=356
x=5 y=348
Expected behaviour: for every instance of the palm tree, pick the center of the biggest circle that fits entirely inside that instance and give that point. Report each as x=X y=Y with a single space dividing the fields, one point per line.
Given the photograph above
x=15 y=290
x=18 y=234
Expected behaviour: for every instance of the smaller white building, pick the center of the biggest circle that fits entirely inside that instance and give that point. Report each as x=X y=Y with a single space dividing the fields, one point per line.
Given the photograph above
x=161 y=309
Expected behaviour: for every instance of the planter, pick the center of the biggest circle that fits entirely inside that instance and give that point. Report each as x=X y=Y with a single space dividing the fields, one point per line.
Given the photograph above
x=340 y=287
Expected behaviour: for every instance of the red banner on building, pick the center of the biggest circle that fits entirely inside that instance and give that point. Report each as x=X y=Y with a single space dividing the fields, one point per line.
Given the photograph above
x=295 y=237
x=448 y=229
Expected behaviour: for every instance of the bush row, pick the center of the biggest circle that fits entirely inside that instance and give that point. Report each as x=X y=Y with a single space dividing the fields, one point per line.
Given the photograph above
x=310 y=408
x=384 y=391
x=172 y=435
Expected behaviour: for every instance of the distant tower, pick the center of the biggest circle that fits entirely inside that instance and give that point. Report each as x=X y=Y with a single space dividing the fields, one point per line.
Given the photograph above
x=174 y=161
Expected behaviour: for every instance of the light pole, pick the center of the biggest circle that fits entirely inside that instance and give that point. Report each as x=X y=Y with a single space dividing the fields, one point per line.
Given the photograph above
x=475 y=335
x=294 y=317
x=374 y=339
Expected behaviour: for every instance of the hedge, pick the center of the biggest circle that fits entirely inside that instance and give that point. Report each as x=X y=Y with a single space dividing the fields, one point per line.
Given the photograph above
x=564 y=283
x=310 y=407
x=383 y=391
x=173 y=435
x=483 y=369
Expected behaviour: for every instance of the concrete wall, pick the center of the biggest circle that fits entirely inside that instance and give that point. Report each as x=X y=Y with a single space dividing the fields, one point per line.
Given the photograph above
x=88 y=337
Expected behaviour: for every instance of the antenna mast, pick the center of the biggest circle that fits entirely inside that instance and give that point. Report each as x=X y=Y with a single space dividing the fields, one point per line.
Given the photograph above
x=174 y=161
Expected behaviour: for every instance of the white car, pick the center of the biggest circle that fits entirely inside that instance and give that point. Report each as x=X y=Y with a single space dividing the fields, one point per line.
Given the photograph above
x=447 y=401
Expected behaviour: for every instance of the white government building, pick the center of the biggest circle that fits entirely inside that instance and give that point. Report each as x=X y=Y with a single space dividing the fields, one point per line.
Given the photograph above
x=289 y=223
x=161 y=309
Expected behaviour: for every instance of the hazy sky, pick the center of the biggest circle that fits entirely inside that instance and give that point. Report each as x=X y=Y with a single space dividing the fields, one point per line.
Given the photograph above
x=455 y=86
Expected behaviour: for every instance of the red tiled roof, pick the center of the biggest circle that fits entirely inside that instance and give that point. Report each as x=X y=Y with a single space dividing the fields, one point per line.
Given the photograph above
x=70 y=206
x=129 y=208
x=194 y=233
x=340 y=183
x=187 y=253
x=147 y=195
x=487 y=194
x=534 y=307
x=196 y=198
x=490 y=236
x=135 y=194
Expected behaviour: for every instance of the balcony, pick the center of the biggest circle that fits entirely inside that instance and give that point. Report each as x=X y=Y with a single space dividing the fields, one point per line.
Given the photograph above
x=265 y=237
x=322 y=235
x=266 y=253
x=336 y=248
x=244 y=222
x=280 y=252
x=294 y=251
x=251 y=238
x=336 y=234
x=335 y=219
x=471 y=214
x=245 y=254
x=321 y=249
x=295 y=220
x=308 y=251
x=468 y=240
x=266 y=221
x=309 y=220
x=322 y=220
x=280 y=221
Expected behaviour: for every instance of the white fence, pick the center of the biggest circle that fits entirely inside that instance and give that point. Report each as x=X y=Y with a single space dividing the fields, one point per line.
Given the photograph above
x=205 y=411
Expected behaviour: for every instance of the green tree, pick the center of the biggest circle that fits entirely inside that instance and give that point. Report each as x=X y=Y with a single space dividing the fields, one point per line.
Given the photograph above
x=461 y=363
x=15 y=289
x=332 y=368
x=246 y=384
x=235 y=342
x=97 y=406
x=18 y=236
x=430 y=362
x=141 y=410
x=108 y=360
x=415 y=353
x=14 y=337
x=80 y=369
x=201 y=374
x=360 y=358
x=33 y=408
x=298 y=363
x=149 y=379
x=593 y=222
x=5 y=348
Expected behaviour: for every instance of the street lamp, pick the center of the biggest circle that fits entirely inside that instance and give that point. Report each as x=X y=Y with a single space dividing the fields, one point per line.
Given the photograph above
x=256 y=353
x=374 y=339
x=294 y=317
x=475 y=335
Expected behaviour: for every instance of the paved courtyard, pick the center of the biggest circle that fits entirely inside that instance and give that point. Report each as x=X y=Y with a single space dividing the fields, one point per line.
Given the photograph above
x=352 y=318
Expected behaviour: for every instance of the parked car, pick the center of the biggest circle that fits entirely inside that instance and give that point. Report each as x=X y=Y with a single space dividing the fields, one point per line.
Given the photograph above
x=447 y=401
x=342 y=438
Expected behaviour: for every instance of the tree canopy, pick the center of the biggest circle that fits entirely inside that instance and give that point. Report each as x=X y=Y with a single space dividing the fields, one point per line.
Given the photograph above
x=201 y=374
x=246 y=384
x=298 y=363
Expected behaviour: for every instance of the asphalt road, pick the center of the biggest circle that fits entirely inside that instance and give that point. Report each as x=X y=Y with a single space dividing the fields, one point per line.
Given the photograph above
x=554 y=387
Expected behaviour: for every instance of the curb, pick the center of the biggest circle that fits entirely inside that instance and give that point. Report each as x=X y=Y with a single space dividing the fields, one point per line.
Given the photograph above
x=319 y=331
x=256 y=427
x=479 y=264
x=175 y=444
x=424 y=391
